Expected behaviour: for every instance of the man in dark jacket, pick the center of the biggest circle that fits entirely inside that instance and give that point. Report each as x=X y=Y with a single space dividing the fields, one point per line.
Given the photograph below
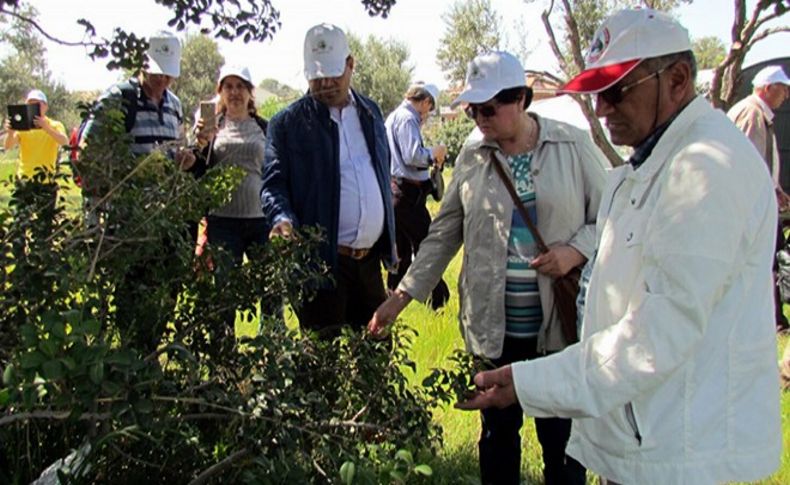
x=327 y=165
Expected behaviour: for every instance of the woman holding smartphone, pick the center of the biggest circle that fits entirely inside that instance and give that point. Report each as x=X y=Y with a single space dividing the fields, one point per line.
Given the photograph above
x=235 y=135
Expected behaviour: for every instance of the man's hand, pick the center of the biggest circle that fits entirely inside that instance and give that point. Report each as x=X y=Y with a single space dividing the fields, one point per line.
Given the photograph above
x=10 y=135
x=558 y=261
x=439 y=153
x=185 y=158
x=496 y=390
x=283 y=229
x=387 y=312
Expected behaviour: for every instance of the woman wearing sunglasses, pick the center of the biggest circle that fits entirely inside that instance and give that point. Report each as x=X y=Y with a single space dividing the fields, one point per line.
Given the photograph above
x=507 y=310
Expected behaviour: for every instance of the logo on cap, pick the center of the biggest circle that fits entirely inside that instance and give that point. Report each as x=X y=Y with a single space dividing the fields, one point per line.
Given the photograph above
x=321 y=47
x=475 y=73
x=599 y=44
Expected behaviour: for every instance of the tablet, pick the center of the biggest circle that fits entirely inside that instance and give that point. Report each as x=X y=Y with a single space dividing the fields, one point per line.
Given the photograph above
x=22 y=116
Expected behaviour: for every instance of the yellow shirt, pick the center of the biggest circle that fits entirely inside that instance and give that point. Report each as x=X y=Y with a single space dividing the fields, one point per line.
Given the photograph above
x=38 y=149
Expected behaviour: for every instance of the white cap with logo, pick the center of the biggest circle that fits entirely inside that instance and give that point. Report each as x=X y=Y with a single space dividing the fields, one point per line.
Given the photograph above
x=240 y=72
x=164 y=54
x=488 y=74
x=622 y=42
x=325 y=52
x=36 y=95
x=770 y=75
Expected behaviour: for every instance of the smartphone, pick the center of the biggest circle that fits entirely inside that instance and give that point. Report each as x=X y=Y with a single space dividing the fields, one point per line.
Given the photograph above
x=208 y=111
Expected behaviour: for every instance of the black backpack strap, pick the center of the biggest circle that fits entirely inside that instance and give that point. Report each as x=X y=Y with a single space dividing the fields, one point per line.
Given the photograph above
x=130 y=93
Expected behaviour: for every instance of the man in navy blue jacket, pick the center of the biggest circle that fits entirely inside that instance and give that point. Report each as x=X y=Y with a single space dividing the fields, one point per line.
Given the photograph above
x=327 y=165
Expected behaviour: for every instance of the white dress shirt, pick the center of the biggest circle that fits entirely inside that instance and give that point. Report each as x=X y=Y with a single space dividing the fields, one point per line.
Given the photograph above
x=361 y=219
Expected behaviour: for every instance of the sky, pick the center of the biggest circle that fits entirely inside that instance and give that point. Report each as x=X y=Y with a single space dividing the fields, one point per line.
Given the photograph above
x=418 y=23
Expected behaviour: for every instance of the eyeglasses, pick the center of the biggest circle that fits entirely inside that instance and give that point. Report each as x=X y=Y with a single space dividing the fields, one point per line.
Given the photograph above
x=616 y=93
x=485 y=110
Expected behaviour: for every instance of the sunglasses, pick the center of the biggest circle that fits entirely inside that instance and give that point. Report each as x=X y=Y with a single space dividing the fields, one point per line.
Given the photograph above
x=617 y=93
x=484 y=110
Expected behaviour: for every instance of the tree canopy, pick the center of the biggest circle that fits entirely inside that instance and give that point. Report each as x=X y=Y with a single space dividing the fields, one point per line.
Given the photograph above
x=471 y=28
x=381 y=69
x=253 y=20
x=709 y=51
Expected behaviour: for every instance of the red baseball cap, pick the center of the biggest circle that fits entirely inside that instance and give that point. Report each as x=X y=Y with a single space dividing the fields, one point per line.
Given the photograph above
x=620 y=44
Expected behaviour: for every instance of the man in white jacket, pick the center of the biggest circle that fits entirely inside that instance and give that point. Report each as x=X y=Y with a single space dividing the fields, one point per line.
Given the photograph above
x=674 y=380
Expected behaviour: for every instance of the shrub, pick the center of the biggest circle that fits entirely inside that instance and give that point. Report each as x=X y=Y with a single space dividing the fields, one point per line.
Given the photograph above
x=165 y=393
x=452 y=133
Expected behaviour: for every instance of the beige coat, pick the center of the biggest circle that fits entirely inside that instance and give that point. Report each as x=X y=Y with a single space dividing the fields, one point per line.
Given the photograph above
x=569 y=175
x=755 y=119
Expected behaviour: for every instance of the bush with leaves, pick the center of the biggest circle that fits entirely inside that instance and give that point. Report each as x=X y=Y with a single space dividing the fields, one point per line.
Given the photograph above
x=82 y=392
x=452 y=133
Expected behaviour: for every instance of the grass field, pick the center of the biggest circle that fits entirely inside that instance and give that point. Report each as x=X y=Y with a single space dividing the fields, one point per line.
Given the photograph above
x=438 y=336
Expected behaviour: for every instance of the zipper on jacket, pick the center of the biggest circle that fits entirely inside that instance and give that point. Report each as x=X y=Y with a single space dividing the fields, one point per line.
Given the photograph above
x=631 y=418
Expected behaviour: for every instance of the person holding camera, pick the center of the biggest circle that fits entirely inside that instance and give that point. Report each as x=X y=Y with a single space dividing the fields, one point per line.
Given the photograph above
x=230 y=132
x=235 y=136
x=38 y=148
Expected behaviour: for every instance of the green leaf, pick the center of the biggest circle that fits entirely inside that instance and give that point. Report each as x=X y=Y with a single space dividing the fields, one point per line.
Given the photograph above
x=91 y=327
x=9 y=373
x=53 y=370
x=31 y=360
x=68 y=363
x=398 y=476
x=405 y=456
x=424 y=470
x=110 y=388
x=5 y=396
x=347 y=471
x=97 y=373
x=59 y=330
x=29 y=335
x=121 y=358
x=49 y=347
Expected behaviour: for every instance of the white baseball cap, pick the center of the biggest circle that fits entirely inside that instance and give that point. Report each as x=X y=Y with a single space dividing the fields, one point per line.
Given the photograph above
x=325 y=52
x=488 y=74
x=770 y=75
x=432 y=89
x=622 y=41
x=238 y=71
x=164 y=54
x=37 y=95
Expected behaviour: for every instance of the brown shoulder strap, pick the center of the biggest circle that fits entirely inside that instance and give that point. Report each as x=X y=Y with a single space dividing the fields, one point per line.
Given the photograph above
x=519 y=205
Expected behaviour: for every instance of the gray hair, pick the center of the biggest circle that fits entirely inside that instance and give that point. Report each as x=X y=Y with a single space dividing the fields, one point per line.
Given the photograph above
x=653 y=64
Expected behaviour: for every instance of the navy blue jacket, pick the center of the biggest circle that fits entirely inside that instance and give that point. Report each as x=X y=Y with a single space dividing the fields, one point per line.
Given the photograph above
x=301 y=171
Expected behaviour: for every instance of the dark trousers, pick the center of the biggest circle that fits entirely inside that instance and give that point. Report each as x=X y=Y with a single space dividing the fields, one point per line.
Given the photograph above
x=237 y=235
x=357 y=291
x=500 y=439
x=781 y=320
x=412 y=221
